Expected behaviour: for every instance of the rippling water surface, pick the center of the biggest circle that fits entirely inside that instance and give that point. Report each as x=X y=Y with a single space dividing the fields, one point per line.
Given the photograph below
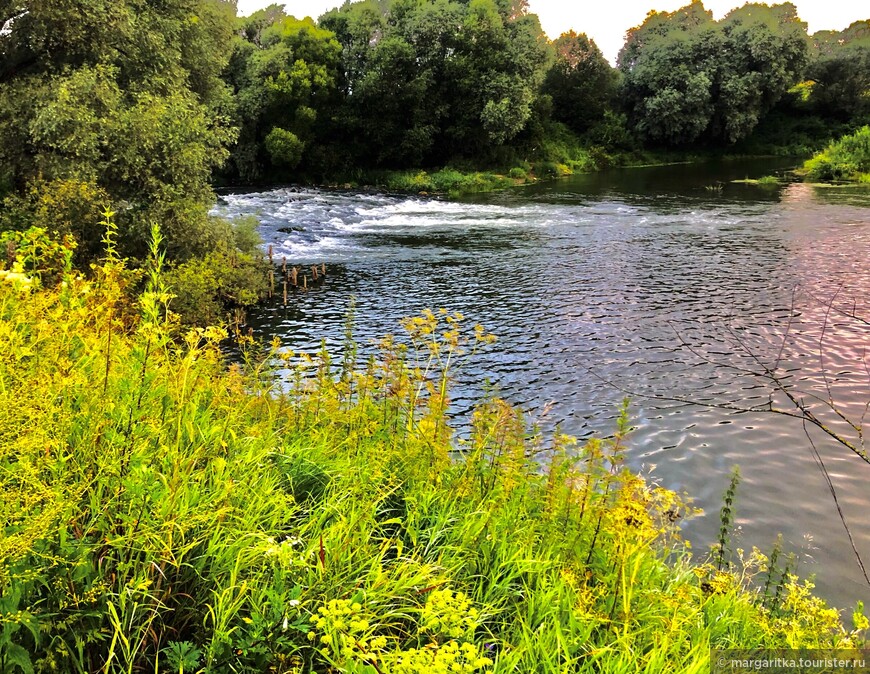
x=666 y=283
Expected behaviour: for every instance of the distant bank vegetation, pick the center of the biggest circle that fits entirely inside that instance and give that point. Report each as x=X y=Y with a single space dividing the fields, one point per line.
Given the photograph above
x=847 y=159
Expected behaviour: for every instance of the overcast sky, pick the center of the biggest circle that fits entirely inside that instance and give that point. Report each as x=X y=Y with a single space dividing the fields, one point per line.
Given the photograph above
x=607 y=22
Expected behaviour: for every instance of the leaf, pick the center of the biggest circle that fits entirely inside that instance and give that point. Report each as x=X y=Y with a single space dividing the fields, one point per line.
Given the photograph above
x=16 y=655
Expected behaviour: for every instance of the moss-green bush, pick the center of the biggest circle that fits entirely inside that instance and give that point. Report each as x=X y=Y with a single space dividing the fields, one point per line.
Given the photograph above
x=446 y=181
x=71 y=207
x=231 y=277
x=847 y=159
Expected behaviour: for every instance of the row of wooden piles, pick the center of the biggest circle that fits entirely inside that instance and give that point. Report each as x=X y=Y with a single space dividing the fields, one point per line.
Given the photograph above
x=295 y=278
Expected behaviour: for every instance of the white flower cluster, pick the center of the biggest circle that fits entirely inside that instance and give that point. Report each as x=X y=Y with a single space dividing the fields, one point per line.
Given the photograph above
x=16 y=278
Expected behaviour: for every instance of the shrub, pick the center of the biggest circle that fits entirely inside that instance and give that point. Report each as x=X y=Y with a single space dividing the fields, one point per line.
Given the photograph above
x=407 y=181
x=550 y=169
x=284 y=147
x=207 y=288
x=63 y=208
x=845 y=159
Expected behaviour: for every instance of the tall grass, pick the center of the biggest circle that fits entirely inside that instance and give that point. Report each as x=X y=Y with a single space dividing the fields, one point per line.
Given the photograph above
x=847 y=159
x=164 y=512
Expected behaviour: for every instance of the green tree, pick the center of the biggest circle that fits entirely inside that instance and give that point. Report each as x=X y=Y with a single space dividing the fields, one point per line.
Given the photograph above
x=659 y=27
x=839 y=73
x=690 y=79
x=769 y=51
x=124 y=97
x=284 y=72
x=428 y=81
x=580 y=82
x=502 y=64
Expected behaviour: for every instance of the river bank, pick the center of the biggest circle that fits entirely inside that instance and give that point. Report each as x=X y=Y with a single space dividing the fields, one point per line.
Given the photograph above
x=162 y=510
x=455 y=182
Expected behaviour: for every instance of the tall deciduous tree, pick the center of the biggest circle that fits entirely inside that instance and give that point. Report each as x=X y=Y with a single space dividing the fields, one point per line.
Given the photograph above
x=123 y=96
x=580 y=82
x=690 y=79
x=431 y=80
x=284 y=72
x=840 y=72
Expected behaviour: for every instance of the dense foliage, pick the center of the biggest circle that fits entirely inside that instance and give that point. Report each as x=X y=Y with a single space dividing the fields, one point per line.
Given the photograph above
x=119 y=100
x=410 y=84
x=118 y=105
x=284 y=72
x=845 y=159
x=581 y=83
x=689 y=78
x=161 y=512
x=839 y=78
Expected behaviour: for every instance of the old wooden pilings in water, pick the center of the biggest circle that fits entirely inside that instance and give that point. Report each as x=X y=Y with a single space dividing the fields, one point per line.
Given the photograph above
x=293 y=277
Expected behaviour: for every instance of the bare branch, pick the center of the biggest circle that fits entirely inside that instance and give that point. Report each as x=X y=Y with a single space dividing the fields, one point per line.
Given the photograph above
x=821 y=464
x=810 y=408
x=791 y=315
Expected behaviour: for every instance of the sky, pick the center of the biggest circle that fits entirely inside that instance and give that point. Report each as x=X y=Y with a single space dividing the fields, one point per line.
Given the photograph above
x=608 y=27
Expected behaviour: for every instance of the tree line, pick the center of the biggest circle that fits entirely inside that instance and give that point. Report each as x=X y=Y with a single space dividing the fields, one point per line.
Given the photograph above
x=409 y=83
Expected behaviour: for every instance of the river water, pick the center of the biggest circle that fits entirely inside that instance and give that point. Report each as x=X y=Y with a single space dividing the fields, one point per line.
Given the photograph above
x=666 y=284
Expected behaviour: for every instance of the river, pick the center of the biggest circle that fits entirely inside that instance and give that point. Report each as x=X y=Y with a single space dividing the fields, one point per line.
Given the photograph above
x=665 y=283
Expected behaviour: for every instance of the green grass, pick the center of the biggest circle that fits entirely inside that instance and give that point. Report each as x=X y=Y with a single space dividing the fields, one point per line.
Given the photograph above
x=764 y=181
x=845 y=160
x=165 y=512
x=448 y=181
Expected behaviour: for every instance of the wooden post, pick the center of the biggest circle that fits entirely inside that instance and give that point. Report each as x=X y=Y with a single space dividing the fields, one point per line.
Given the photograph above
x=294 y=277
x=305 y=283
x=270 y=255
x=271 y=283
x=284 y=267
x=313 y=273
x=323 y=269
x=285 y=292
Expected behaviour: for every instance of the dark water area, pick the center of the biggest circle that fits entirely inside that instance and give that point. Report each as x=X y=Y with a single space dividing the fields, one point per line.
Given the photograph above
x=665 y=283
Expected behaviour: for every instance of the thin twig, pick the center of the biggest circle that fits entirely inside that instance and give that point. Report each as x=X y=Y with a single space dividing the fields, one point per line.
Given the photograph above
x=821 y=464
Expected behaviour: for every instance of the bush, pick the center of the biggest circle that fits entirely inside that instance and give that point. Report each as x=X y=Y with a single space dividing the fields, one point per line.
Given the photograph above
x=551 y=169
x=284 y=148
x=613 y=133
x=63 y=208
x=446 y=181
x=207 y=288
x=407 y=181
x=847 y=159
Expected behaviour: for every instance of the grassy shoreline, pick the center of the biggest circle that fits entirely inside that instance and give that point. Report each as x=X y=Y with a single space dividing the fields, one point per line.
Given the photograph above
x=456 y=182
x=165 y=512
x=846 y=160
